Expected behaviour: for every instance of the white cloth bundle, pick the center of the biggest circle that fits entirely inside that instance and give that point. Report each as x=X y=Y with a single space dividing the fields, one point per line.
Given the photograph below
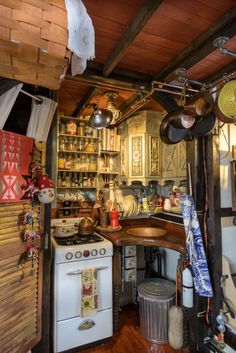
x=81 y=39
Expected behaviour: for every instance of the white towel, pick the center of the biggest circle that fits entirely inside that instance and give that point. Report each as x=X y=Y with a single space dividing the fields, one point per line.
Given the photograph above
x=81 y=40
x=41 y=118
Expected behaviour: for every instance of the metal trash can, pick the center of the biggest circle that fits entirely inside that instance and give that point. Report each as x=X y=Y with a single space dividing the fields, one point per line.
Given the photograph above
x=155 y=296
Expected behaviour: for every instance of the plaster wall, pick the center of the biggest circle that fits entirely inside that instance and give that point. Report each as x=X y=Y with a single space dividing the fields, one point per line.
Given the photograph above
x=227 y=139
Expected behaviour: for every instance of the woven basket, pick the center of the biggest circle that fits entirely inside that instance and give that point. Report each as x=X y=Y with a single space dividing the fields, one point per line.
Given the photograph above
x=33 y=40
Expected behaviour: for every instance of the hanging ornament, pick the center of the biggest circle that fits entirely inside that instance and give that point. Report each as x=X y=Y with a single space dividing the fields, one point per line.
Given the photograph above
x=46 y=189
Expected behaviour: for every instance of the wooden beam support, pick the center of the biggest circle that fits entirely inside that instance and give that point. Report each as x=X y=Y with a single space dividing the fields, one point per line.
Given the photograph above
x=202 y=45
x=98 y=81
x=85 y=100
x=142 y=17
x=165 y=100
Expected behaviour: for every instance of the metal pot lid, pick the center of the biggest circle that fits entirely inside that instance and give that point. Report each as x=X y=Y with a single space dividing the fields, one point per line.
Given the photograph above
x=168 y=133
x=204 y=126
x=157 y=288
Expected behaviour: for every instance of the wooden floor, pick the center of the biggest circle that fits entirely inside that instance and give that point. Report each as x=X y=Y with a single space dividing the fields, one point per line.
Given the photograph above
x=128 y=339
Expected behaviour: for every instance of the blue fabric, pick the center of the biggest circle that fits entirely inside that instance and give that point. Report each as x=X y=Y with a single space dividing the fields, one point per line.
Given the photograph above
x=195 y=248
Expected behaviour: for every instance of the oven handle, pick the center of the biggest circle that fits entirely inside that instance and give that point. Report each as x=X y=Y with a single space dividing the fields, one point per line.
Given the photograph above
x=79 y=272
x=86 y=325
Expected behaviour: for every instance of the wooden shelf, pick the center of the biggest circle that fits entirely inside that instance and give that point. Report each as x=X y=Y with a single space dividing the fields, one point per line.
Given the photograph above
x=79 y=136
x=109 y=153
x=76 y=152
x=73 y=118
x=77 y=171
x=107 y=173
x=76 y=187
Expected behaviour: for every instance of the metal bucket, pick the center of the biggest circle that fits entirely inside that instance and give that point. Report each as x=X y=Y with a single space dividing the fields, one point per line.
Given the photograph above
x=156 y=296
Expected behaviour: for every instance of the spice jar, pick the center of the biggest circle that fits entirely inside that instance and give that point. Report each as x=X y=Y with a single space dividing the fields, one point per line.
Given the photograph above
x=71 y=127
x=81 y=129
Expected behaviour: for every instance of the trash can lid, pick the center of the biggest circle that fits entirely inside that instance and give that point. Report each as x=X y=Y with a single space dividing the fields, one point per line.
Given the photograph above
x=157 y=287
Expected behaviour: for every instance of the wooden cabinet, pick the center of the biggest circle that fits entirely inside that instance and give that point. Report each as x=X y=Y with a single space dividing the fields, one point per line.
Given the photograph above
x=174 y=161
x=141 y=148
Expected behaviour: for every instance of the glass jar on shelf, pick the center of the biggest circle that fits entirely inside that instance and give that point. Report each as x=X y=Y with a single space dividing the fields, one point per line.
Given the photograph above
x=92 y=164
x=62 y=145
x=71 y=144
x=81 y=129
x=80 y=145
x=62 y=128
x=77 y=163
x=59 y=180
x=71 y=127
x=68 y=180
x=61 y=161
x=68 y=162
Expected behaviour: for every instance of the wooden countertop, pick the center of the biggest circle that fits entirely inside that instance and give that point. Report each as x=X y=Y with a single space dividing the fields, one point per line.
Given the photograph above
x=174 y=239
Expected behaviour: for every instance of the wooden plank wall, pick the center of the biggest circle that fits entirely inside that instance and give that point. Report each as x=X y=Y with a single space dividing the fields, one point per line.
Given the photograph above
x=19 y=303
x=20 y=284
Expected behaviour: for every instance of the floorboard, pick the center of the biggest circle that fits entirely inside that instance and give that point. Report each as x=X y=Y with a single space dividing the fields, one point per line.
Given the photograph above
x=129 y=339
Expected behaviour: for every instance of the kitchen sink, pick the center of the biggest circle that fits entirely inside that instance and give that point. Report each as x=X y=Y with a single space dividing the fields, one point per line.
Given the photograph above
x=150 y=232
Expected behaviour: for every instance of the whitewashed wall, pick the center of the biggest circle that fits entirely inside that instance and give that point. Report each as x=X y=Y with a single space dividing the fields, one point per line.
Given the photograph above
x=227 y=139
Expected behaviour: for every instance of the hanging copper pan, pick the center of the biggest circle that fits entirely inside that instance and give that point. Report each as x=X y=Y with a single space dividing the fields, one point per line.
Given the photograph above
x=203 y=125
x=181 y=120
x=170 y=134
x=200 y=104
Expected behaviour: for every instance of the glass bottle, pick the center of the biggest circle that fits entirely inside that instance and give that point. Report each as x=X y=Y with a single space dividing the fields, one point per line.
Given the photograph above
x=59 y=180
x=68 y=162
x=80 y=146
x=62 y=144
x=61 y=161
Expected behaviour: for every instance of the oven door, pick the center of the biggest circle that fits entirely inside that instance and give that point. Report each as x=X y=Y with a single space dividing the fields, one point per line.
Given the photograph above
x=67 y=286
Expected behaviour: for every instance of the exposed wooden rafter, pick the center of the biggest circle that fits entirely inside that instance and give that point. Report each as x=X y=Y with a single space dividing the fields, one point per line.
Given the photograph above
x=86 y=99
x=202 y=45
x=142 y=17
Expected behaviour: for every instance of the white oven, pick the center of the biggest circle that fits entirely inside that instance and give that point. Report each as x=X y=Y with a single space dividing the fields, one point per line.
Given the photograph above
x=70 y=329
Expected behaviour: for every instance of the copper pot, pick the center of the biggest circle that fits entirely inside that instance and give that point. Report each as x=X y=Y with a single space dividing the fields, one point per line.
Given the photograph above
x=86 y=226
x=180 y=120
x=200 y=104
x=170 y=134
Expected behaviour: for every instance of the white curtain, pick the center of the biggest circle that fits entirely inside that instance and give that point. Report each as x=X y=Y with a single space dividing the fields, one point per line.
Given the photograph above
x=41 y=118
x=7 y=101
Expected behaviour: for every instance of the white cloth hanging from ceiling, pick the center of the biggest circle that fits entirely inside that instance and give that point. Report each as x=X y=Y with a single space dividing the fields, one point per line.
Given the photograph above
x=7 y=101
x=81 y=39
x=41 y=118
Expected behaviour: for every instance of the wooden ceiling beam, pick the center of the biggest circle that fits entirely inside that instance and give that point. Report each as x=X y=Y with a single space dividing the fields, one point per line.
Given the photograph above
x=202 y=45
x=142 y=17
x=110 y=83
x=85 y=100
x=228 y=69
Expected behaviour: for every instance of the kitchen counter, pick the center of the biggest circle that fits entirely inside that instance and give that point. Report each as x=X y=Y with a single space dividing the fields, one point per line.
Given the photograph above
x=174 y=239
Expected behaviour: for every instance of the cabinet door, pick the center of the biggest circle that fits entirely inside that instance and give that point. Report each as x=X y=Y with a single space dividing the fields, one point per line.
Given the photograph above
x=154 y=156
x=137 y=154
x=182 y=170
x=169 y=161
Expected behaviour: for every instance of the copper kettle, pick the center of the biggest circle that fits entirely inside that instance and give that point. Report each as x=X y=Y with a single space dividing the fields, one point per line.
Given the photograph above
x=86 y=226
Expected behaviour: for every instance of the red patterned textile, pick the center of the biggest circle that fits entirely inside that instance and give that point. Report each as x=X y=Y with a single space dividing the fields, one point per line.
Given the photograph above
x=15 y=157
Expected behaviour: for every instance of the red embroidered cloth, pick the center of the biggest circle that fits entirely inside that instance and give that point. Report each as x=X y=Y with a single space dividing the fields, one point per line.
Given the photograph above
x=15 y=157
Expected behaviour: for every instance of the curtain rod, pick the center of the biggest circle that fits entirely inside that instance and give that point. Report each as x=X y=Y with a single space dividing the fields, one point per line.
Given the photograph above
x=39 y=100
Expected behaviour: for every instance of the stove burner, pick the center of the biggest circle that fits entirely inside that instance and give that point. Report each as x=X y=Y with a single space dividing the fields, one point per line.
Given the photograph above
x=79 y=239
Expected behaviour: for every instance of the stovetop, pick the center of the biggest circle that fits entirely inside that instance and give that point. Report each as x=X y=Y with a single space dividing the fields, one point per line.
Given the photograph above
x=79 y=239
x=79 y=247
